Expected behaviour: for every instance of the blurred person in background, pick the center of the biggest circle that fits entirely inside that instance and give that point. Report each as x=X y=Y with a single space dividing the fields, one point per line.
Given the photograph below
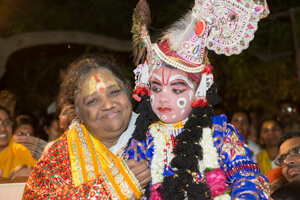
x=270 y=133
x=23 y=126
x=254 y=123
x=288 y=115
x=241 y=121
x=25 y=132
x=11 y=153
x=65 y=117
x=289 y=156
x=49 y=128
x=276 y=178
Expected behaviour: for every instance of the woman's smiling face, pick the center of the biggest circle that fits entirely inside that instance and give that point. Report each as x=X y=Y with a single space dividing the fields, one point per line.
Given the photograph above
x=5 y=129
x=172 y=94
x=104 y=106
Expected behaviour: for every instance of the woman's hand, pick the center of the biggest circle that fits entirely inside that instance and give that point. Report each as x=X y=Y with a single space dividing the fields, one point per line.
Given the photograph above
x=140 y=171
x=1 y=171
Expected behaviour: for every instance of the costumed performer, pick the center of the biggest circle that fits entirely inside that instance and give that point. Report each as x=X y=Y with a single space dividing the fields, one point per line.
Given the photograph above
x=192 y=153
x=87 y=163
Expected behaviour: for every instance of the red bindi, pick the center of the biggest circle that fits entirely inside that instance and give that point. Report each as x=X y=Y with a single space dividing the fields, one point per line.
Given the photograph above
x=96 y=78
x=101 y=89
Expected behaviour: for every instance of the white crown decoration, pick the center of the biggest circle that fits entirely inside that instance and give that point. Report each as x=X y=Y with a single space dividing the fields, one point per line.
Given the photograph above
x=223 y=26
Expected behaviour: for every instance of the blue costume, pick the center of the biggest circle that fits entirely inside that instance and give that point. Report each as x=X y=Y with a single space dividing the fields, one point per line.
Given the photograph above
x=242 y=175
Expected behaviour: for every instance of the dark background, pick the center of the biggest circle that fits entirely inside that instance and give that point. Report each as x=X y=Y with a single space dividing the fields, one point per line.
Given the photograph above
x=256 y=79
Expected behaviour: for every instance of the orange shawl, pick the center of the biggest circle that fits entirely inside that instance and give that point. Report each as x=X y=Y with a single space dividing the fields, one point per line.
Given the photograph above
x=90 y=159
x=12 y=156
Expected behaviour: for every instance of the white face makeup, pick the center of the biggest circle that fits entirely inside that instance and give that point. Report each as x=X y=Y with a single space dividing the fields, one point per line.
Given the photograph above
x=183 y=78
x=182 y=111
x=152 y=100
x=172 y=94
x=181 y=102
x=191 y=94
x=165 y=90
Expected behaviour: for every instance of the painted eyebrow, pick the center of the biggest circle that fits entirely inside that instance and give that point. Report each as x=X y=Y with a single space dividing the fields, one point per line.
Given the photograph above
x=155 y=82
x=182 y=78
x=179 y=83
x=155 y=76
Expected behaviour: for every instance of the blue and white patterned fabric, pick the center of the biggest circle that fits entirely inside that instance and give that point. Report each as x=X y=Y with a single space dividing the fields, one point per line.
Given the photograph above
x=242 y=174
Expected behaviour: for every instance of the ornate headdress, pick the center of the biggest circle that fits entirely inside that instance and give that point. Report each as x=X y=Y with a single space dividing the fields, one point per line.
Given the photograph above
x=224 y=26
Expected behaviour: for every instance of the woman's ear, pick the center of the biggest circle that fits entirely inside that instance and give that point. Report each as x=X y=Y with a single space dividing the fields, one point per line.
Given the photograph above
x=46 y=129
x=77 y=114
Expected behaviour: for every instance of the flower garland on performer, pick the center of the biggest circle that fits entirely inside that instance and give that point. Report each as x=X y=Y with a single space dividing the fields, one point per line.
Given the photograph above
x=209 y=166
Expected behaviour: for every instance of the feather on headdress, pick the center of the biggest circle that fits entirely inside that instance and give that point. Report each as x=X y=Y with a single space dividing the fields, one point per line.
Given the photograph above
x=180 y=31
x=141 y=22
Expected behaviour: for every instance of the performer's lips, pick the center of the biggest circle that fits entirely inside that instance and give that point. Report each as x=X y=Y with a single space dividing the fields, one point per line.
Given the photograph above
x=164 y=109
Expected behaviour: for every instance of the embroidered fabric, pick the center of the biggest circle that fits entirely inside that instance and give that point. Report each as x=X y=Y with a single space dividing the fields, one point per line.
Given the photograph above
x=242 y=174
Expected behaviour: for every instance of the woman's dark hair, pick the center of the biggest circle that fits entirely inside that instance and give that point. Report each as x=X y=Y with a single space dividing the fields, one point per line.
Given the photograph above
x=243 y=112
x=79 y=70
x=8 y=102
x=287 y=136
x=188 y=151
x=7 y=111
x=46 y=122
x=288 y=191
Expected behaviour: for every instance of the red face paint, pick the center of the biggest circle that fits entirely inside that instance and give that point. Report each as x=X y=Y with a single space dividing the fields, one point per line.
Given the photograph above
x=163 y=76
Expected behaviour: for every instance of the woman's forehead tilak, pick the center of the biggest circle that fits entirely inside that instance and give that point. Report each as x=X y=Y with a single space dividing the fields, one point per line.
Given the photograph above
x=98 y=81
